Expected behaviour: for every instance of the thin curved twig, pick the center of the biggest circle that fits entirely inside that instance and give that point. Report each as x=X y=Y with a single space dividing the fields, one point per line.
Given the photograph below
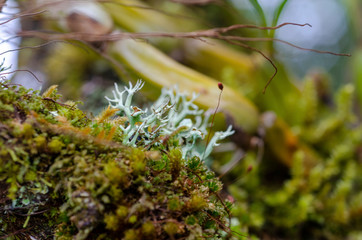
x=213 y=33
x=239 y=26
x=245 y=39
x=43 y=45
x=22 y=70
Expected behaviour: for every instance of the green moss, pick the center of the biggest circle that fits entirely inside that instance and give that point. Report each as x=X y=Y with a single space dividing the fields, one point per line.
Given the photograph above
x=40 y=142
x=132 y=219
x=122 y=212
x=69 y=176
x=191 y=220
x=174 y=204
x=114 y=172
x=111 y=221
x=131 y=234
x=196 y=202
x=148 y=229
x=172 y=228
x=176 y=162
x=308 y=200
x=55 y=145
x=138 y=162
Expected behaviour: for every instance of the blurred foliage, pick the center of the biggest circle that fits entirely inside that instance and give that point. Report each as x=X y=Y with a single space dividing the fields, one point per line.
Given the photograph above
x=321 y=200
x=300 y=175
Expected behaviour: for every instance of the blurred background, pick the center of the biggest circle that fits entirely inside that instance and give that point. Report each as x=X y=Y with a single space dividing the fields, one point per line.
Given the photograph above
x=332 y=30
x=293 y=168
x=335 y=27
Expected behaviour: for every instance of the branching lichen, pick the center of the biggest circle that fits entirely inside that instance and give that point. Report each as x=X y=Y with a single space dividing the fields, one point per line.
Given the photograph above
x=170 y=116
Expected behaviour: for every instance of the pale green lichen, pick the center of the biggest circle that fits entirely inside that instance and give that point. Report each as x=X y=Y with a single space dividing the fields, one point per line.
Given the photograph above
x=170 y=116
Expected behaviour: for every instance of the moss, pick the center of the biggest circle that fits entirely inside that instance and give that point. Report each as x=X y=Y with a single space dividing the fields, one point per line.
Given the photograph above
x=111 y=222
x=131 y=234
x=148 y=229
x=70 y=177
x=138 y=161
x=122 y=212
x=311 y=201
x=196 y=202
x=174 y=204
x=55 y=145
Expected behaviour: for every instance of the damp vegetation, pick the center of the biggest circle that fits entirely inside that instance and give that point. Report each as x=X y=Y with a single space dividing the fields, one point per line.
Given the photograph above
x=307 y=198
x=68 y=176
x=293 y=167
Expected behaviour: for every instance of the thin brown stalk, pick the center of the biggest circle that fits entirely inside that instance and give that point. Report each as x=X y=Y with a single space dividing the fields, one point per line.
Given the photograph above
x=261 y=53
x=213 y=33
x=245 y=39
x=2 y=4
x=21 y=70
x=221 y=87
x=196 y=2
x=240 y=26
x=38 y=46
x=16 y=232
x=21 y=15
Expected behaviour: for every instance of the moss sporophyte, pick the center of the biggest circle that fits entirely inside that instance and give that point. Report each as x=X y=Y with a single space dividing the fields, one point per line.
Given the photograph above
x=136 y=175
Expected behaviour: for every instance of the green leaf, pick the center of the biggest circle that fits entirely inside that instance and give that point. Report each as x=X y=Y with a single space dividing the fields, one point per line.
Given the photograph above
x=260 y=11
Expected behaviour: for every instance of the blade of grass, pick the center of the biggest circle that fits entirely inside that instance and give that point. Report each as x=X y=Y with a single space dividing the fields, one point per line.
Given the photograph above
x=260 y=11
x=277 y=13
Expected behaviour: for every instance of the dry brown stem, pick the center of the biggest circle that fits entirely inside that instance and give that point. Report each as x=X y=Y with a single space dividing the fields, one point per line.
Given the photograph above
x=21 y=70
x=196 y=2
x=223 y=34
x=214 y=33
x=2 y=4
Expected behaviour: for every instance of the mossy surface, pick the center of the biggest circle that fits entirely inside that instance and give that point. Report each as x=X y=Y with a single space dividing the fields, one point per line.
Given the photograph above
x=309 y=200
x=64 y=175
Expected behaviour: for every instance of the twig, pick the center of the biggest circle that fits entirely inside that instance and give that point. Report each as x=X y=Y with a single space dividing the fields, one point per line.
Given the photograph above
x=224 y=227
x=261 y=53
x=16 y=232
x=2 y=4
x=21 y=15
x=196 y=2
x=39 y=46
x=61 y=104
x=214 y=33
x=22 y=70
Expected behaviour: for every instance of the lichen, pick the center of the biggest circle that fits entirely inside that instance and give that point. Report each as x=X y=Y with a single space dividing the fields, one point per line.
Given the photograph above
x=170 y=117
x=68 y=176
